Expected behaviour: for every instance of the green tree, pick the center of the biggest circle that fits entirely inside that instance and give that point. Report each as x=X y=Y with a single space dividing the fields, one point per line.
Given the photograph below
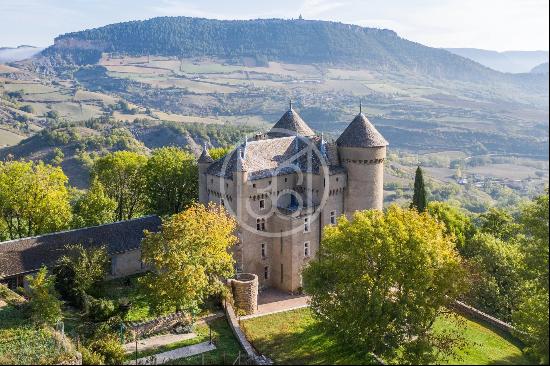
x=121 y=173
x=58 y=157
x=94 y=207
x=78 y=271
x=531 y=316
x=34 y=199
x=495 y=272
x=43 y=305
x=381 y=281
x=189 y=257
x=498 y=223
x=419 y=198
x=172 y=180
x=219 y=152
x=457 y=223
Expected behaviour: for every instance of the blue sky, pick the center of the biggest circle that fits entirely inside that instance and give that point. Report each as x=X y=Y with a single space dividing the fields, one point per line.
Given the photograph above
x=490 y=24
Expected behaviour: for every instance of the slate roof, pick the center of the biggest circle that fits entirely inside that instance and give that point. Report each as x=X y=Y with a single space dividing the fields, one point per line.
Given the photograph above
x=29 y=254
x=205 y=156
x=274 y=156
x=290 y=123
x=361 y=133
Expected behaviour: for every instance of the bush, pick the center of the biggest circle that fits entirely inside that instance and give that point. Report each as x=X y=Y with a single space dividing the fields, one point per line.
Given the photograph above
x=101 y=310
x=27 y=108
x=91 y=357
x=109 y=348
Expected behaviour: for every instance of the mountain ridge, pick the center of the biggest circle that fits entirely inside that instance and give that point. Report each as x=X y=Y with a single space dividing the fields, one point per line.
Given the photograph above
x=295 y=41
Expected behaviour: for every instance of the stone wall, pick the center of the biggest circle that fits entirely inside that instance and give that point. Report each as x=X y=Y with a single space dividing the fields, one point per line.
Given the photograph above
x=245 y=292
x=472 y=312
x=157 y=325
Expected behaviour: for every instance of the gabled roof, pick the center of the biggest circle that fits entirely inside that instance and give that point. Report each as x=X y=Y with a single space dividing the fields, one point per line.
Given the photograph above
x=290 y=124
x=361 y=133
x=29 y=254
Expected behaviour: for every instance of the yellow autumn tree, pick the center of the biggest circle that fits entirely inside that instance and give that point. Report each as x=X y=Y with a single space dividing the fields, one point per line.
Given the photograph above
x=189 y=257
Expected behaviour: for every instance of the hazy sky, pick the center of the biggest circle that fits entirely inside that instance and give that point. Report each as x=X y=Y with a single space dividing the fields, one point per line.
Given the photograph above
x=490 y=24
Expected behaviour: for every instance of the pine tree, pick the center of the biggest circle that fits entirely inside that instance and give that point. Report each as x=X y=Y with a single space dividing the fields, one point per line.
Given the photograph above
x=419 y=198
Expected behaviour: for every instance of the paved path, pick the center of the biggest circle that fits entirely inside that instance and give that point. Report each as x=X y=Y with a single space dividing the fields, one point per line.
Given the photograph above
x=157 y=341
x=164 y=357
x=271 y=301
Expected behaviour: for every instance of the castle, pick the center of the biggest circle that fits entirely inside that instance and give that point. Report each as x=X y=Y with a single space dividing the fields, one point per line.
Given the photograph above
x=286 y=185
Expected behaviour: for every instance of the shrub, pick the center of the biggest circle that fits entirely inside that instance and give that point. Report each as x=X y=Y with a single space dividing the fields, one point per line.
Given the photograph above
x=101 y=310
x=91 y=357
x=109 y=348
x=27 y=108
x=43 y=305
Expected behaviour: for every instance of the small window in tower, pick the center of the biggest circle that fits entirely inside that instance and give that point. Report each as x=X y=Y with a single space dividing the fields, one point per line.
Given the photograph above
x=258 y=224
x=333 y=217
x=282 y=273
x=269 y=183
x=253 y=185
x=306 y=225
x=222 y=202
x=263 y=224
x=337 y=179
x=306 y=249
x=286 y=180
x=262 y=203
x=266 y=272
x=264 y=253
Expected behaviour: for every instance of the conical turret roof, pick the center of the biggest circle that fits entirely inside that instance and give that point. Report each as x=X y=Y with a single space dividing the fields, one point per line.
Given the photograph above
x=205 y=156
x=361 y=133
x=290 y=124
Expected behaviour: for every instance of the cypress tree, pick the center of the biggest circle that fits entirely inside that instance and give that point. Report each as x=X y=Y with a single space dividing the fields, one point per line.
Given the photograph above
x=419 y=198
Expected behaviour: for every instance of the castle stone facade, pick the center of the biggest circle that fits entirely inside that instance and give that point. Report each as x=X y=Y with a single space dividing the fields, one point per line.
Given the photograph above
x=286 y=185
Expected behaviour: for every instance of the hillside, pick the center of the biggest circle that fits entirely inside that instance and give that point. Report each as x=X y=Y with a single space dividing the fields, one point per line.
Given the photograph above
x=540 y=69
x=262 y=40
x=507 y=61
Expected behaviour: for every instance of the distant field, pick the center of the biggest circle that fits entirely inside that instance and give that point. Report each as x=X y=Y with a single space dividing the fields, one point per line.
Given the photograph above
x=8 y=138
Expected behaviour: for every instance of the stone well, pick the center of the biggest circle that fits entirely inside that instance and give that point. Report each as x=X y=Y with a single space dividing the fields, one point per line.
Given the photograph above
x=245 y=292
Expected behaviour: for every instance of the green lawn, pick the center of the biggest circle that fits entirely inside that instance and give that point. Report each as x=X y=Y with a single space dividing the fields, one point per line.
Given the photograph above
x=295 y=337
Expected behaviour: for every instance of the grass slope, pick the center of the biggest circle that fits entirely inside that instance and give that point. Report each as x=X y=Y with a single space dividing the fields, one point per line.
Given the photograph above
x=295 y=337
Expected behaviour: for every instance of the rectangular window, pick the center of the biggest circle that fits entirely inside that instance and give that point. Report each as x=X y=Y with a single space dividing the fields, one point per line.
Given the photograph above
x=264 y=254
x=262 y=203
x=306 y=225
x=306 y=249
x=263 y=224
x=282 y=273
x=286 y=180
x=266 y=273
x=333 y=217
x=258 y=224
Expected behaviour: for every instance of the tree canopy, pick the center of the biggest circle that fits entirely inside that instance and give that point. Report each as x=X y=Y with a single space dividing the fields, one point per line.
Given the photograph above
x=34 y=199
x=121 y=173
x=171 y=180
x=188 y=257
x=381 y=281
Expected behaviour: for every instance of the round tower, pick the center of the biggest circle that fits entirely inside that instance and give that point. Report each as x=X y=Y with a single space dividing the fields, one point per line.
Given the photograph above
x=204 y=162
x=362 y=151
